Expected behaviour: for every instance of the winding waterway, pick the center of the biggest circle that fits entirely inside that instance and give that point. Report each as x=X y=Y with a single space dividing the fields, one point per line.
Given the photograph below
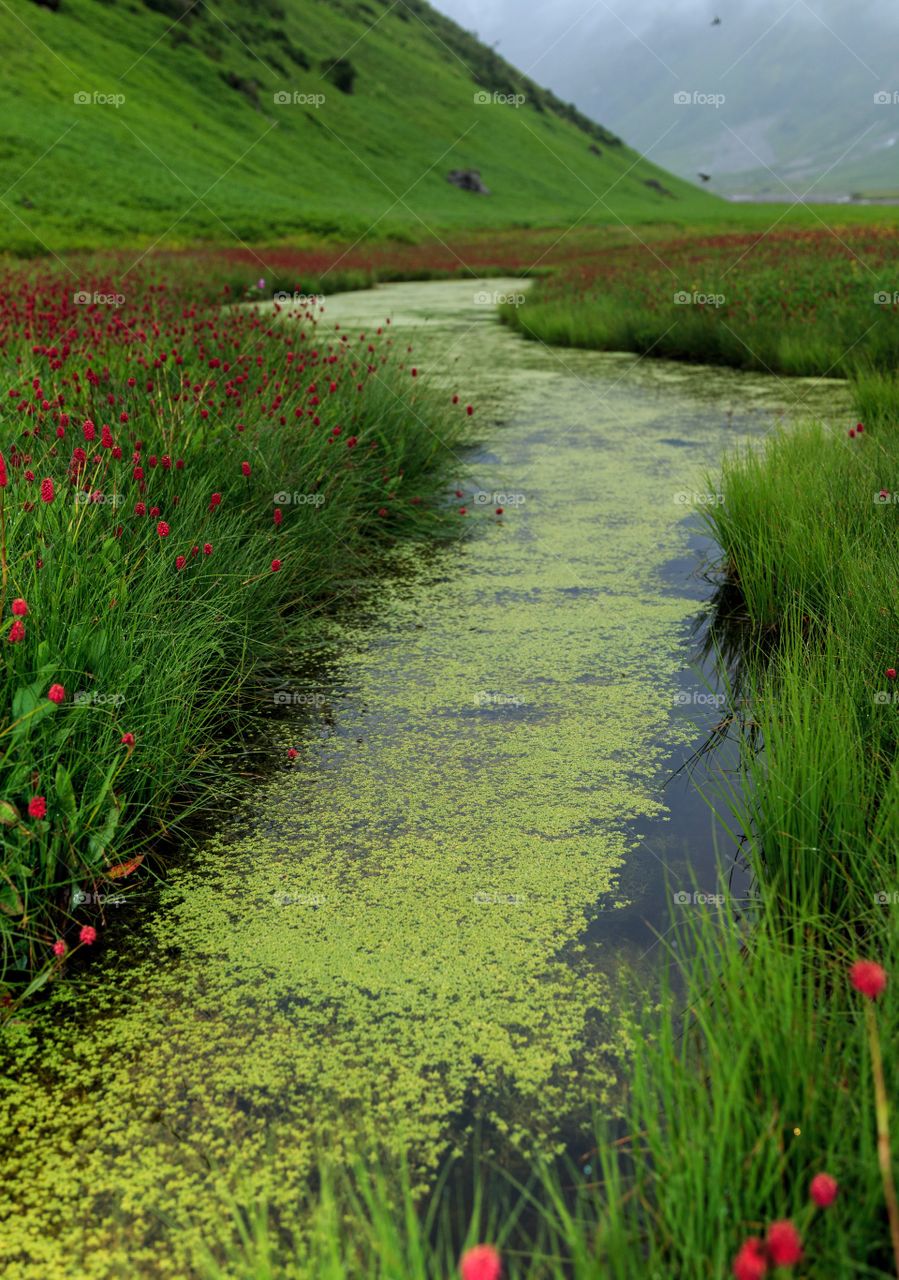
x=423 y=919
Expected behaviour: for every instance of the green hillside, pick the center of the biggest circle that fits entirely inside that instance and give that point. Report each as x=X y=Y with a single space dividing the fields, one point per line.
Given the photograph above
x=178 y=134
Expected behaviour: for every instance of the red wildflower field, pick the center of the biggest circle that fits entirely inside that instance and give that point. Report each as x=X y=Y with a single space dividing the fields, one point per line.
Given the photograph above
x=139 y=427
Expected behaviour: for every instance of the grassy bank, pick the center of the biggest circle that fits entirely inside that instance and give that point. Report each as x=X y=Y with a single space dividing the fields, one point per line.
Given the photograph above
x=793 y=301
x=757 y=1072
x=182 y=487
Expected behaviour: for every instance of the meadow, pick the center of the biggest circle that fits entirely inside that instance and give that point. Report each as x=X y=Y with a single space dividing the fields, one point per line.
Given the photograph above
x=800 y=300
x=185 y=487
x=154 y=434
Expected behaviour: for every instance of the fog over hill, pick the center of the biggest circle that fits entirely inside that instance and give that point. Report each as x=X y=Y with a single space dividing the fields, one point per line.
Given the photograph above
x=782 y=93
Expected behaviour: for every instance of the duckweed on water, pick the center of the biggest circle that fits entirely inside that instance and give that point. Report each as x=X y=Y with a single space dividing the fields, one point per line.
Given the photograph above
x=373 y=953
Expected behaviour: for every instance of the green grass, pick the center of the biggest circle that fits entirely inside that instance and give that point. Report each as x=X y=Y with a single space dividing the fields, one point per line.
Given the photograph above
x=803 y=301
x=144 y=643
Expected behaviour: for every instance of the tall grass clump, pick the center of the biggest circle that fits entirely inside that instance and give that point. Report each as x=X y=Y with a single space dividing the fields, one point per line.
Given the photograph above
x=180 y=485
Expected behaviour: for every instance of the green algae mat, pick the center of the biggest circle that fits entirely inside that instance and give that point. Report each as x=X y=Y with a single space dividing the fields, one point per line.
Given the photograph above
x=382 y=944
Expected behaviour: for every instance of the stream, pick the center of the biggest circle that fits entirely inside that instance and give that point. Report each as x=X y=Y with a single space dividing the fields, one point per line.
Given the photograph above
x=442 y=911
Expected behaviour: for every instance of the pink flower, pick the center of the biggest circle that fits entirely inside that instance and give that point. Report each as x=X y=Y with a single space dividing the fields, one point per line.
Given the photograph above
x=480 y=1263
x=59 y=947
x=751 y=1262
x=868 y=978
x=56 y=693
x=20 y=608
x=783 y=1243
x=37 y=807
x=88 y=934
x=16 y=632
x=823 y=1190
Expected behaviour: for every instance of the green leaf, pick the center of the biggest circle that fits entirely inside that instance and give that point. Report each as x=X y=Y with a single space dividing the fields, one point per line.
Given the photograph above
x=65 y=792
x=101 y=839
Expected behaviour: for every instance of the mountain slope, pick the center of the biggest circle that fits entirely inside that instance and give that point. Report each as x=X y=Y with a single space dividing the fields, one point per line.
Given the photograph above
x=176 y=132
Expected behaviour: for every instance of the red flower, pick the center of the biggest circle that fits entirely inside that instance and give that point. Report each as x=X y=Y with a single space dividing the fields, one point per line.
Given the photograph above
x=90 y=431
x=162 y=529
x=214 y=501
x=47 y=490
x=59 y=947
x=245 y=468
x=276 y=565
x=127 y=739
x=292 y=753
x=868 y=978
x=859 y=427
x=56 y=693
x=278 y=515
x=480 y=1263
x=499 y=511
x=890 y=673
x=751 y=1262
x=180 y=562
x=463 y=511
x=4 y=478
x=382 y=512
x=16 y=632
x=207 y=548
x=88 y=934
x=469 y=409
x=783 y=1243
x=20 y=608
x=37 y=807
x=140 y=508
x=852 y=433
x=823 y=1190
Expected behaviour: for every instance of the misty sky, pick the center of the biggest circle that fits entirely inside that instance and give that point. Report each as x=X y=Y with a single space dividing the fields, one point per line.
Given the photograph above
x=800 y=77
x=543 y=39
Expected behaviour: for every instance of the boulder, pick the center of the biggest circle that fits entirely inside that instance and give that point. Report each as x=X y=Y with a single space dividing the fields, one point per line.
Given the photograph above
x=468 y=180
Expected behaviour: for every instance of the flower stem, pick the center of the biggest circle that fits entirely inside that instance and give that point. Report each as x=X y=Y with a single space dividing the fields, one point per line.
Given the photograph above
x=884 y=1154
